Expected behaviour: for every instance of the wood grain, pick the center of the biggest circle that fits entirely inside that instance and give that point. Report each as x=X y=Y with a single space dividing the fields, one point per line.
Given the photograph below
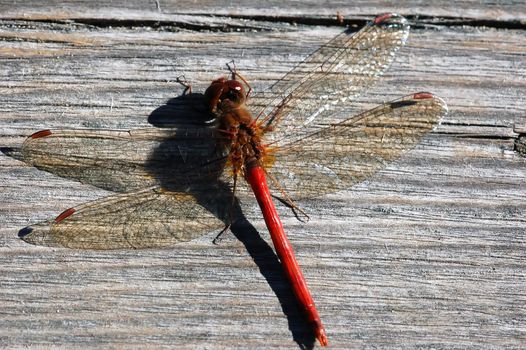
x=428 y=253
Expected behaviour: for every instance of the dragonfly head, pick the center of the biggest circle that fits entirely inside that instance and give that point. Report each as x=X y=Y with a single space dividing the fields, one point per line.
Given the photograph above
x=224 y=93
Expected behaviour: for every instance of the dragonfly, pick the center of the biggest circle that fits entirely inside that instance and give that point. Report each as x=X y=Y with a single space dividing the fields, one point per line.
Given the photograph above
x=293 y=141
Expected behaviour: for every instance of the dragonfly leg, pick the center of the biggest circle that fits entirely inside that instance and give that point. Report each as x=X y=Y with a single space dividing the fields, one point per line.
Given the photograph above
x=187 y=86
x=230 y=133
x=221 y=234
x=287 y=200
x=339 y=18
x=235 y=75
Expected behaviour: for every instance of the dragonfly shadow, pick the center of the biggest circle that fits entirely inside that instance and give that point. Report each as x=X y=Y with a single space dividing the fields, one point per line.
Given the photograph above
x=189 y=158
x=190 y=161
x=186 y=109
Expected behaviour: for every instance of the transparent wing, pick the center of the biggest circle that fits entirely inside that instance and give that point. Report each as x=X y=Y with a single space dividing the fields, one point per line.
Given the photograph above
x=127 y=160
x=327 y=81
x=346 y=153
x=143 y=219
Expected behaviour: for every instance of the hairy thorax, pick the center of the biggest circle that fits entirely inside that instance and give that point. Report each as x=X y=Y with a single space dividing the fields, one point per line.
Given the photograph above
x=240 y=133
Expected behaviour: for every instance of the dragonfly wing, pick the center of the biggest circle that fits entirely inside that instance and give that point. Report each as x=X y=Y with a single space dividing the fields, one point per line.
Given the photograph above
x=143 y=219
x=126 y=160
x=326 y=81
x=346 y=153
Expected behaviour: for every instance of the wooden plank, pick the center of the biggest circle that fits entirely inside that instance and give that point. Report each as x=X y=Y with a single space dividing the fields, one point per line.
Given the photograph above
x=429 y=252
x=164 y=10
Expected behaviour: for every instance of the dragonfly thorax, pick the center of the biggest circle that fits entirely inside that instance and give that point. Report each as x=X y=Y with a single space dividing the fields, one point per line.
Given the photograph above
x=244 y=140
x=226 y=100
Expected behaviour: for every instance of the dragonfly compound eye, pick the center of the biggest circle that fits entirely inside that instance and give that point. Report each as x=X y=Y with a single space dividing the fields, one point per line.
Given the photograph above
x=222 y=90
x=234 y=92
x=213 y=94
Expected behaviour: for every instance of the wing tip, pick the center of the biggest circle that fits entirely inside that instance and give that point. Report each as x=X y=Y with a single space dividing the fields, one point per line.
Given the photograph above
x=12 y=152
x=23 y=233
x=41 y=133
x=390 y=19
x=41 y=234
x=394 y=22
x=64 y=214
x=424 y=95
x=36 y=234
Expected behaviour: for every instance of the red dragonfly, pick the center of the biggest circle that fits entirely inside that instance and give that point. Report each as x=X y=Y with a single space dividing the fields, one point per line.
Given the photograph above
x=179 y=183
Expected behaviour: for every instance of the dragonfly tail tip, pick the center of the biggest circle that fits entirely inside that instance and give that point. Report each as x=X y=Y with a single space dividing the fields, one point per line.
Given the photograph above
x=322 y=338
x=319 y=332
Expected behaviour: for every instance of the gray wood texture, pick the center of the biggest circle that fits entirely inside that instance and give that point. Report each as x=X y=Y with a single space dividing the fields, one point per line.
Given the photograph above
x=428 y=253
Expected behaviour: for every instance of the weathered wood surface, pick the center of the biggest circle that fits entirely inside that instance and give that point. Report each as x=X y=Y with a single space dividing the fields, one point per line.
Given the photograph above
x=428 y=253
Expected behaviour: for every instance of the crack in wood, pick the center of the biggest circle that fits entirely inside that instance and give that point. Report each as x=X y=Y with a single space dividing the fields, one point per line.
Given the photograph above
x=416 y=21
